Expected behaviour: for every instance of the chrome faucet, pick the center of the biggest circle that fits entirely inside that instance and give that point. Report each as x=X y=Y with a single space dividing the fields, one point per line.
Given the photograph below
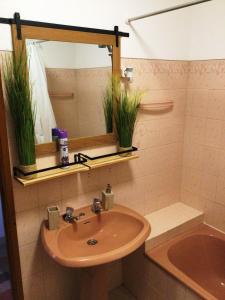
x=96 y=206
x=69 y=215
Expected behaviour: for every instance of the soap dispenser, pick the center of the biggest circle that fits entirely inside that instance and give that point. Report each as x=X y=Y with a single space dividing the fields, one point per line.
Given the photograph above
x=107 y=198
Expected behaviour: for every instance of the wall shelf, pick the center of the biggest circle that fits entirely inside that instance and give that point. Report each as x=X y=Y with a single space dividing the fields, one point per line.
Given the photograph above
x=82 y=163
x=52 y=174
x=156 y=106
x=61 y=95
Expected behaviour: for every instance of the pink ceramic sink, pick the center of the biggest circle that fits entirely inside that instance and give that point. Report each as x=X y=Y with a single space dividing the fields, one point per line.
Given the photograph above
x=96 y=239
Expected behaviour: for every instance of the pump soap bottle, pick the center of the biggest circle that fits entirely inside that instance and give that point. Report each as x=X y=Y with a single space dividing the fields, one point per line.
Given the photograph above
x=107 y=198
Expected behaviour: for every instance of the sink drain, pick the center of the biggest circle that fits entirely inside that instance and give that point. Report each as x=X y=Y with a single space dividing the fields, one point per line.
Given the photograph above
x=92 y=242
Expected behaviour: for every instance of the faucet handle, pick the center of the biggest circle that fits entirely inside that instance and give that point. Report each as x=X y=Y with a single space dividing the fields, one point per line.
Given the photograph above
x=68 y=216
x=69 y=211
x=97 y=200
x=97 y=205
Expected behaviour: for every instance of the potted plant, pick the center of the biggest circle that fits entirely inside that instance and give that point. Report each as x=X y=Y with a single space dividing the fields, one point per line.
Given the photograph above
x=126 y=105
x=19 y=96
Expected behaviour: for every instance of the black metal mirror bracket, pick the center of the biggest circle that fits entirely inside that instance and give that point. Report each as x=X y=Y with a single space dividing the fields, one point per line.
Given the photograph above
x=19 y=22
x=116 y=29
x=18 y=25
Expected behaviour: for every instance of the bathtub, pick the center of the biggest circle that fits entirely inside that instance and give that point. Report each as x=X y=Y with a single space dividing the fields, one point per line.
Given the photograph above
x=196 y=258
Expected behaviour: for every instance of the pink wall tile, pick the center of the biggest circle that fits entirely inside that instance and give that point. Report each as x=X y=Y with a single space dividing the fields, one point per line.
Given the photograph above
x=216 y=104
x=144 y=184
x=28 y=226
x=25 y=199
x=204 y=155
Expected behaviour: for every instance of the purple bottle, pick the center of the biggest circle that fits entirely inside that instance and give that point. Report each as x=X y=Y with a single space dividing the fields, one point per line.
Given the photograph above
x=63 y=149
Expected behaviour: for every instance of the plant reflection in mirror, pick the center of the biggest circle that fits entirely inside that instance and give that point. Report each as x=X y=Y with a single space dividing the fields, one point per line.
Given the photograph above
x=108 y=107
x=18 y=93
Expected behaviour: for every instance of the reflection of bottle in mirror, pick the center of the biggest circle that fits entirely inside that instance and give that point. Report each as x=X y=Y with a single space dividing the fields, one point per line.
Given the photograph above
x=55 y=134
x=63 y=149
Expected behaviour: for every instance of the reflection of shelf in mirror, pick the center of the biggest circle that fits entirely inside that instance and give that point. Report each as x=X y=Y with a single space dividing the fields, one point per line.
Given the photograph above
x=52 y=174
x=101 y=162
x=155 y=106
x=61 y=95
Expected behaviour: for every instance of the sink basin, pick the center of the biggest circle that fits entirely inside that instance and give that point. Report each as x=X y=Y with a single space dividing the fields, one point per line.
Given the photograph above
x=96 y=239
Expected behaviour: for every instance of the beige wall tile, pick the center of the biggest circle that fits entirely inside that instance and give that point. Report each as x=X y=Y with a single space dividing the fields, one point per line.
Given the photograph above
x=220 y=192
x=49 y=191
x=208 y=186
x=213 y=130
x=205 y=141
x=197 y=103
x=191 y=180
x=193 y=199
x=28 y=226
x=31 y=258
x=194 y=130
x=25 y=198
x=215 y=215
x=34 y=287
x=216 y=104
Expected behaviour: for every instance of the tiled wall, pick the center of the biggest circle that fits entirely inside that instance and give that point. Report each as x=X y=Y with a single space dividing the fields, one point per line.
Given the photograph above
x=144 y=184
x=203 y=184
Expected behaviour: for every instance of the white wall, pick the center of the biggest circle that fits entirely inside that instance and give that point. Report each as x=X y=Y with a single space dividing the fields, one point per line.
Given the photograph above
x=196 y=32
x=207 y=31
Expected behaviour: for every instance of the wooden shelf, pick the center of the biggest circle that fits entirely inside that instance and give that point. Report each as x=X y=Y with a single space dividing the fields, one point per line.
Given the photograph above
x=52 y=174
x=89 y=165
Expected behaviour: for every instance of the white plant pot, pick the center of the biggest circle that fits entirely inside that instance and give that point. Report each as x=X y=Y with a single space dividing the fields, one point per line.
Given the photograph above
x=120 y=149
x=27 y=169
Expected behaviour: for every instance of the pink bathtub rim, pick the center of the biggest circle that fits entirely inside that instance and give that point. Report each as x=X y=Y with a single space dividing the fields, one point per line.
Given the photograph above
x=162 y=256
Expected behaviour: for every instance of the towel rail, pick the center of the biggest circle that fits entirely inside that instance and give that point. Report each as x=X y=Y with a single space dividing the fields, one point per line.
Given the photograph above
x=162 y=11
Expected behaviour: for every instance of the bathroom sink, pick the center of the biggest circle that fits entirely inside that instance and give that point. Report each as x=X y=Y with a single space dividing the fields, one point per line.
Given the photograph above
x=96 y=239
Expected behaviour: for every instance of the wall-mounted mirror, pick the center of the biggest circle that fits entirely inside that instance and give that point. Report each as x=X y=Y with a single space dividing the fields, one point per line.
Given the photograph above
x=68 y=84
x=69 y=72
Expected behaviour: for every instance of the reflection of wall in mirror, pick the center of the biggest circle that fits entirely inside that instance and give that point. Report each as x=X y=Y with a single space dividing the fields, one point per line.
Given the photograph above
x=74 y=55
x=83 y=70
x=83 y=114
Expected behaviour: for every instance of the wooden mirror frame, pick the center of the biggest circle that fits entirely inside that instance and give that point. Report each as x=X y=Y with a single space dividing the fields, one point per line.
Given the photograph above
x=63 y=35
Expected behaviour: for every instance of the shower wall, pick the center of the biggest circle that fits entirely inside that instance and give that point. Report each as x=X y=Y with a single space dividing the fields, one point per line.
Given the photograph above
x=203 y=180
